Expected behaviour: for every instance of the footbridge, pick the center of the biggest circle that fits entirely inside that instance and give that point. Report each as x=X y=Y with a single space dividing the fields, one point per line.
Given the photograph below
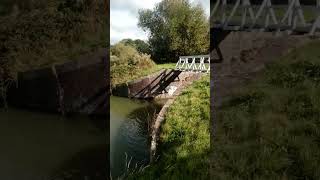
x=291 y=18
x=197 y=63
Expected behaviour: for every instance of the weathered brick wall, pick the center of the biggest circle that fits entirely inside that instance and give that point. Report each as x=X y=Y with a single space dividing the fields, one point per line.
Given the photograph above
x=35 y=90
x=152 y=85
x=74 y=87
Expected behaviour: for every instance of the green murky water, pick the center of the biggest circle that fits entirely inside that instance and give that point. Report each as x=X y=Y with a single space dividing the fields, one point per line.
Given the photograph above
x=129 y=140
x=47 y=146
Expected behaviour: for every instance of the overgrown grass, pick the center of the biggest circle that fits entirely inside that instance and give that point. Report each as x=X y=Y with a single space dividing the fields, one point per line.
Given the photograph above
x=141 y=72
x=57 y=33
x=270 y=129
x=157 y=68
x=185 y=137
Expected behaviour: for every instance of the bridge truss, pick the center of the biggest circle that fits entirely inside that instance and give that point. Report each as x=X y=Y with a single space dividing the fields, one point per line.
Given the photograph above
x=241 y=15
x=199 y=63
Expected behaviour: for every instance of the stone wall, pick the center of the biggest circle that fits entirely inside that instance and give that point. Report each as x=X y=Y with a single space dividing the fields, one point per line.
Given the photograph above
x=35 y=90
x=75 y=87
x=154 y=85
x=159 y=120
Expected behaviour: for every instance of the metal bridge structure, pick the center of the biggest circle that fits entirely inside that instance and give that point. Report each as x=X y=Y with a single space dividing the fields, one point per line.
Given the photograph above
x=198 y=63
x=241 y=15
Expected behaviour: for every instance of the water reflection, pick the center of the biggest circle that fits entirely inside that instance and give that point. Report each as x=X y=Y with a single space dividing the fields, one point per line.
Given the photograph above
x=129 y=138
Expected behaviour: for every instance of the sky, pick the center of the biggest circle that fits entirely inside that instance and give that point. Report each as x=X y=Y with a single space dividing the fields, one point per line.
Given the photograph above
x=124 y=17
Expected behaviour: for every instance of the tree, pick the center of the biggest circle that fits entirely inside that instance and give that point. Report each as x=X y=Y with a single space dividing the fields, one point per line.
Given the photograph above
x=126 y=63
x=140 y=45
x=175 y=28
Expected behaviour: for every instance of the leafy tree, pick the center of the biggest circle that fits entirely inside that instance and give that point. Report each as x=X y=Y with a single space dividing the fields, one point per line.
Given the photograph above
x=175 y=28
x=140 y=45
x=56 y=33
x=128 y=42
x=126 y=63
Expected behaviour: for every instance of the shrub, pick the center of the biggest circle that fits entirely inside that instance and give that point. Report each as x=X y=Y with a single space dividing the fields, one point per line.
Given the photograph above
x=55 y=33
x=127 y=63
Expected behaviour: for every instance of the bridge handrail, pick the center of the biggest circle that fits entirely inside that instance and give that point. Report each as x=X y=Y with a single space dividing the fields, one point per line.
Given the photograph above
x=293 y=15
x=196 y=56
x=183 y=63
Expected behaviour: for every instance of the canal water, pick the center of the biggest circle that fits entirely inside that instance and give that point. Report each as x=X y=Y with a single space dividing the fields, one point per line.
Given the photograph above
x=129 y=139
x=46 y=146
x=41 y=146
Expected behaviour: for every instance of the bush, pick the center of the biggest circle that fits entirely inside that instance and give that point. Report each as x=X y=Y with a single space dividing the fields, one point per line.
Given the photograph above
x=127 y=63
x=44 y=36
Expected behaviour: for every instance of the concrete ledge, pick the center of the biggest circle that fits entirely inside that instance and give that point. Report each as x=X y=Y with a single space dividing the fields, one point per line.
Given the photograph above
x=74 y=87
x=160 y=119
x=153 y=85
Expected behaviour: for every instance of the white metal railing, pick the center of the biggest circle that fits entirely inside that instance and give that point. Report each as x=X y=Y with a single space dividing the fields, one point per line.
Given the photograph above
x=198 y=63
x=292 y=20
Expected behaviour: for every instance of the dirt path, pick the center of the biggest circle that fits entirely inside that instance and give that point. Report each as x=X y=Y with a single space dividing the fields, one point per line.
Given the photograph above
x=245 y=55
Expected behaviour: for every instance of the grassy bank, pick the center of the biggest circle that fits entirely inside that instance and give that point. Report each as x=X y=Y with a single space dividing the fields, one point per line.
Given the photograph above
x=270 y=129
x=120 y=77
x=185 y=138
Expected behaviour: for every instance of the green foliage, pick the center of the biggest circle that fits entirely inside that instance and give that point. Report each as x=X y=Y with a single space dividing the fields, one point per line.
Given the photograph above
x=127 y=63
x=14 y=6
x=176 y=28
x=270 y=130
x=294 y=74
x=140 y=45
x=185 y=137
x=52 y=34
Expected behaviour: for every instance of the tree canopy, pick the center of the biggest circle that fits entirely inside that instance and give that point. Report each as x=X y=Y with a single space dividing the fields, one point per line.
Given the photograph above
x=36 y=34
x=175 y=28
x=140 y=45
x=126 y=63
